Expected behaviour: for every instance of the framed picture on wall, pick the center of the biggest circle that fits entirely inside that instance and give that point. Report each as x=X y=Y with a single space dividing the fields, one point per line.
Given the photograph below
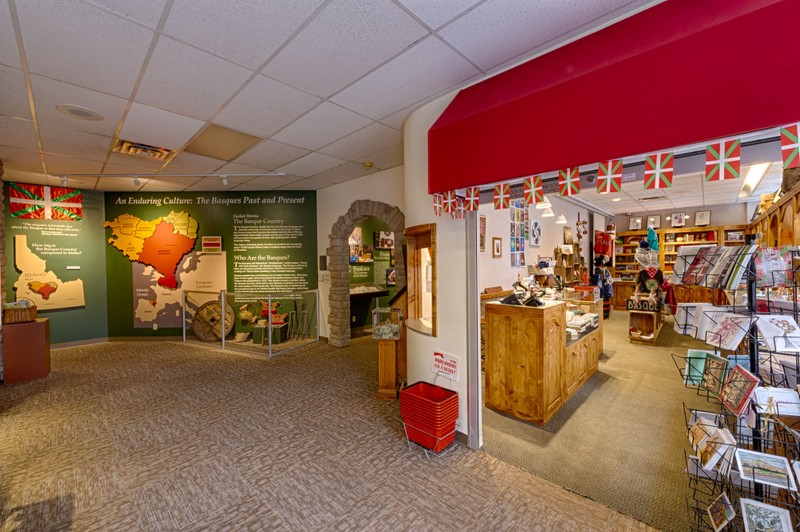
x=678 y=219
x=482 y=232
x=497 y=247
x=635 y=223
x=536 y=234
x=654 y=221
x=702 y=218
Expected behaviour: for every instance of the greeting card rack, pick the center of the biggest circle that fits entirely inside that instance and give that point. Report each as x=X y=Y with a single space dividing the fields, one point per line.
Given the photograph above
x=772 y=428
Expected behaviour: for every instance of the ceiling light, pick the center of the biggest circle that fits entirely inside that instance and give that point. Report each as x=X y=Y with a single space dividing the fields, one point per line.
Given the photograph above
x=617 y=199
x=544 y=204
x=547 y=213
x=136 y=181
x=81 y=113
x=754 y=176
x=225 y=180
x=561 y=219
x=64 y=181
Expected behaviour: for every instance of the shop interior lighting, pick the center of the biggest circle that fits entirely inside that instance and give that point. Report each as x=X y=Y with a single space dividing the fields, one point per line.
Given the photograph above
x=617 y=199
x=548 y=212
x=544 y=204
x=755 y=174
x=64 y=181
x=561 y=219
x=136 y=181
x=224 y=180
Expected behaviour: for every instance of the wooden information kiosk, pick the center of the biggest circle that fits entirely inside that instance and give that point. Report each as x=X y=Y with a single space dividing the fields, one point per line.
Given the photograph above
x=26 y=351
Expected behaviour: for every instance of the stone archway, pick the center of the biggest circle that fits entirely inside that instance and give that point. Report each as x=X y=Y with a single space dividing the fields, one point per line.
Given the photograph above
x=339 y=261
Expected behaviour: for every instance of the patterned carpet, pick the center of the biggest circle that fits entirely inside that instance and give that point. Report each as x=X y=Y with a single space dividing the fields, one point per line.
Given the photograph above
x=621 y=439
x=170 y=436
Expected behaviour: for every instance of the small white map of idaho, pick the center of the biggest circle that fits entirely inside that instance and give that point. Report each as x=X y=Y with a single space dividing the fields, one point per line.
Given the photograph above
x=41 y=286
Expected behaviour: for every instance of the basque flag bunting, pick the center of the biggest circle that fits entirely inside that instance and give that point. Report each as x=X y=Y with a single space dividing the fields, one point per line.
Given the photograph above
x=790 y=146
x=473 y=199
x=658 y=170
x=609 y=176
x=437 y=204
x=723 y=160
x=502 y=196
x=532 y=189
x=569 y=182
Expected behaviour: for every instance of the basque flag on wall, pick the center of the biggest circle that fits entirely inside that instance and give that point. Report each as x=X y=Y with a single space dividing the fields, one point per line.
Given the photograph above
x=723 y=160
x=658 y=170
x=40 y=202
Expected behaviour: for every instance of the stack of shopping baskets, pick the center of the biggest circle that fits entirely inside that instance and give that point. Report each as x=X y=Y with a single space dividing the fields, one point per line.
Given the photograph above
x=429 y=415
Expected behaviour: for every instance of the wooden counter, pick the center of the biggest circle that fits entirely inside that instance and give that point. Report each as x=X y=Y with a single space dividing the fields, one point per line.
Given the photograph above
x=26 y=351
x=530 y=371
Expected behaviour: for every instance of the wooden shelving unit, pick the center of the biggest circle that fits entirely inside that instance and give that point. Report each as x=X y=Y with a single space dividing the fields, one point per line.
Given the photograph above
x=672 y=239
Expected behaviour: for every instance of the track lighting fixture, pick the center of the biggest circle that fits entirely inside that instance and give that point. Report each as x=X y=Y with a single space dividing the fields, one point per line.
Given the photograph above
x=64 y=181
x=225 y=180
x=136 y=181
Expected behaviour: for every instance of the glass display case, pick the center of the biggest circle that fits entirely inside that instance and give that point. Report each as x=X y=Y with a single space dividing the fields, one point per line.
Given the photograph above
x=386 y=323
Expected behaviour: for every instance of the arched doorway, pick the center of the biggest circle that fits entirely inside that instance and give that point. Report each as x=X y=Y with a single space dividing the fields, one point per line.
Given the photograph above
x=339 y=257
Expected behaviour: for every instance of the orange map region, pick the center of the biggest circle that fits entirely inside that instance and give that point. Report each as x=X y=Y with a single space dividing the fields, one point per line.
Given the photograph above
x=43 y=289
x=164 y=251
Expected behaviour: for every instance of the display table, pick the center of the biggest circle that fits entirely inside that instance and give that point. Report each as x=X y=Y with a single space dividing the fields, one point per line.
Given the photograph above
x=648 y=324
x=531 y=370
x=26 y=351
x=279 y=333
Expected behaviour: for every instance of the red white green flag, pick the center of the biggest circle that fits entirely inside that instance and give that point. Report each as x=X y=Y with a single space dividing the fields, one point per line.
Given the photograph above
x=658 y=170
x=437 y=204
x=723 y=160
x=460 y=210
x=473 y=199
x=449 y=201
x=790 y=146
x=502 y=195
x=532 y=189
x=609 y=176
x=40 y=202
x=569 y=182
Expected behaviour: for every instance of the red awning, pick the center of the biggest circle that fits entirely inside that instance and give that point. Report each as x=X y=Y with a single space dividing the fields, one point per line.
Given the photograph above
x=684 y=71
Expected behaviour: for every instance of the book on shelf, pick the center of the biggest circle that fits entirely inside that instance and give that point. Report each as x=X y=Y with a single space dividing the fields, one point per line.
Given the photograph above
x=777 y=401
x=737 y=390
x=780 y=332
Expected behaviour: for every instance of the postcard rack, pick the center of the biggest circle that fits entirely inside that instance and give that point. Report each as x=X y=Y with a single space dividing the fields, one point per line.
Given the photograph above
x=746 y=445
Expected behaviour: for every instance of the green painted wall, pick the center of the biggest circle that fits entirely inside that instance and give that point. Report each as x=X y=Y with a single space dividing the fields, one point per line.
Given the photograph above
x=371 y=273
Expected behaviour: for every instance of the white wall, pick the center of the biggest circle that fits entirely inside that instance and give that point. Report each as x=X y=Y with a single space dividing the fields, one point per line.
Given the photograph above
x=385 y=186
x=733 y=214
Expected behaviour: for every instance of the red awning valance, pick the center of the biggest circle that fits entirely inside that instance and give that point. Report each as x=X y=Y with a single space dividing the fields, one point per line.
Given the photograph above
x=684 y=71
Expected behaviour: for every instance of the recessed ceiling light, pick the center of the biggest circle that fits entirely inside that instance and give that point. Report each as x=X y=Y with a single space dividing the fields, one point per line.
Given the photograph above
x=81 y=113
x=617 y=199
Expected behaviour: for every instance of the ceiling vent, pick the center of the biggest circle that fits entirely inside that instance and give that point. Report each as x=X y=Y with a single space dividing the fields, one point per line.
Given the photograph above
x=652 y=198
x=144 y=151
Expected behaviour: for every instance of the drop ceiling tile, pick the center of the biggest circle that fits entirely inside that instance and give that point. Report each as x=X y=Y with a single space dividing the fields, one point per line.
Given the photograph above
x=424 y=70
x=186 y=163
x=120 y=163
x=188 y=81
x=396 y=120
x=320 y=126
x=68 y=141
x=59 y=164
x=18 y=133
x=120 y=184
x=14 y=102
x=26 y=160
x=264 y=107
x=342 y=173
x=311 y=164
x=169 y=184
x=215 y=183
x=49 y=93
x=9 y=55
x=155 y=127
x=387 y=158
x=268 y=182
x=236 y=168
x=304 y=184
x=269 y=155
x=84 y=45
x=244 y=31
x=148 y=12
x=434 y=14
x=345 y=41
x=355 y=146
x=514 y=27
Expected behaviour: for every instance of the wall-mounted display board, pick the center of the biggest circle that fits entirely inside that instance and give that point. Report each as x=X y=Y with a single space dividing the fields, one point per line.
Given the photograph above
x=154 y=250
x=54 y=246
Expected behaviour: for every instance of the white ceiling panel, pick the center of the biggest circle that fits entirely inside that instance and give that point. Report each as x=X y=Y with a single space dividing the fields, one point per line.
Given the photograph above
x=81 y=183
x=396 y=120
x=60 y=164
x=9 y=54
x=243 y=31
x=166 y=184
x=430 y=66
x=434 y=14
x=18 y=133
x=270 y=182
x=48 y=93
x=342 y=173
x=304 y=184
x=311 y=164
x=269 y=155
x=321 y=126
x=515 y=27
x=185 y=163
x=66 y=141
x=120 y=163
x=147 y=12
x=387 y=158
x=176 y=66
x=15 y=94
x=378 y=30
x=120 y=184
x=25 y=160
x=155 y=127
x=354 y=147
x=84 y=45
x=264 y=107
x=216 y=183
x=236 y=168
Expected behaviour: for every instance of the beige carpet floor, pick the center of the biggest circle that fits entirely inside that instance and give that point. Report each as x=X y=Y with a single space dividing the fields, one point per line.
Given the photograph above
x=170 y=436
x=621 y=439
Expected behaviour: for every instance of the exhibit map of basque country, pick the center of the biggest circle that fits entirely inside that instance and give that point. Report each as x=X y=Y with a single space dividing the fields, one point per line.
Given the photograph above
x=125 y=258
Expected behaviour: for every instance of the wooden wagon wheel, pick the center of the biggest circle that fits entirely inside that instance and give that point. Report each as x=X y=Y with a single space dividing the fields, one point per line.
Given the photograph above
x=207 y=321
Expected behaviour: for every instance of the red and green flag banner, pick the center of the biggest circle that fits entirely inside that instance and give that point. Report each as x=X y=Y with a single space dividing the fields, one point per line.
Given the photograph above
x=502 y=196
x=609 y=176
x=40 y=202
x=532 y=189
x=569 y=182
x=473 y=199
x=723 y=160
x=658 y=170
x=460 y=210
x=437 y=204
x=790 y=146
x=449 y=201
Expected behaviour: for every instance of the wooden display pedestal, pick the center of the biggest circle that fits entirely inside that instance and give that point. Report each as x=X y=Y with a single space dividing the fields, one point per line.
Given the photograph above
x=646 y=321
x=26 y=351
x=387 y=369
